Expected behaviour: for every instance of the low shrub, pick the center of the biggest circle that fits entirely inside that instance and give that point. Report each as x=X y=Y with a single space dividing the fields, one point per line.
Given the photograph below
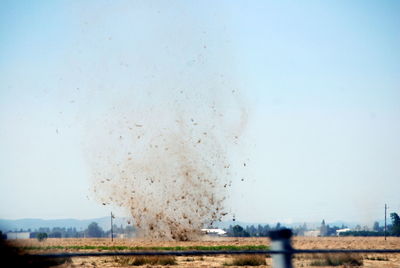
x=338 y=259
x=377 y=258
x=143 y=260
x=247 y=260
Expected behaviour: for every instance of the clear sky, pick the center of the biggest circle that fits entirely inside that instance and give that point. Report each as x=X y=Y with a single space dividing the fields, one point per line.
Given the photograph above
x=320 y=81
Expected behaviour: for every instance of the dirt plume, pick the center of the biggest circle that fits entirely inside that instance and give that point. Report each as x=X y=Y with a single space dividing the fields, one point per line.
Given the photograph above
x=169 y=165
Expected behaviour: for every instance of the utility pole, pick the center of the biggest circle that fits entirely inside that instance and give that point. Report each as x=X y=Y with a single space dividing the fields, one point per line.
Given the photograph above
x=385 y=219
x=112 y=236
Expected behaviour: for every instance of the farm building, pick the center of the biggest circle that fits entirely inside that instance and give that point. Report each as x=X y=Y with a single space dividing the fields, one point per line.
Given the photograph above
x=213 y=232
x=18 y=235
x=338 y=232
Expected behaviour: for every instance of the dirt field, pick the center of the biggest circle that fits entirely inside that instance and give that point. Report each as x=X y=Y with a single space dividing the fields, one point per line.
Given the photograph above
x=73 y=245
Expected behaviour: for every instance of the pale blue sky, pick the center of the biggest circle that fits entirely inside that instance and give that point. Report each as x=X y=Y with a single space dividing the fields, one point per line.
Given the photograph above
x=320 y=80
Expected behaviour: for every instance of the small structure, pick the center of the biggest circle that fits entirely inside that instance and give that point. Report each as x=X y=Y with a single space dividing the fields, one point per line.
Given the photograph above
x=312 y=233
x=18 y=235
x=338 y=232
x=214 y=232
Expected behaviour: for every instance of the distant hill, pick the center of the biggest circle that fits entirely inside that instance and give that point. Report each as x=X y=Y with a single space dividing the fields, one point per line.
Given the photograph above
x=15 y=225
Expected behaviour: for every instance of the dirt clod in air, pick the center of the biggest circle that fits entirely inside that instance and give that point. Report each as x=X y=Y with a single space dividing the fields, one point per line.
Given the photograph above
x=178 y=180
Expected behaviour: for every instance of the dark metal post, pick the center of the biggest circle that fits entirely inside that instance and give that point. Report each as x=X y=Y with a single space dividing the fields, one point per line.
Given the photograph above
x=280 y=241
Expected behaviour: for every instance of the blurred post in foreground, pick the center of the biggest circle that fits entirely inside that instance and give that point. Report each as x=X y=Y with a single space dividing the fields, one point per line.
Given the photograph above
x=280 y=241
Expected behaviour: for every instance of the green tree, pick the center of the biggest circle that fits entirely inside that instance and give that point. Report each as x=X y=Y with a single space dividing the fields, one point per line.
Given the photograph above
x=238 y=231
x=395 y=224
x=41 y=236
x=94 y=230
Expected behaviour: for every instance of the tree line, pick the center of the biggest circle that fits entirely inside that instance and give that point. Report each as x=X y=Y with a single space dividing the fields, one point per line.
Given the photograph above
x=251 y=230
x=393 y=229
x=93 y=230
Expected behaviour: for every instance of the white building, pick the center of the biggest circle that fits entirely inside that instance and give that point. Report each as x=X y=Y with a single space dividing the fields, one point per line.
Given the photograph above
x=214 y=232
x=338 y=232
x=18 y=235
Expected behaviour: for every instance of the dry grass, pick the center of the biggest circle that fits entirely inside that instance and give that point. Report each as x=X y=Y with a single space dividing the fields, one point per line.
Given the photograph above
x=346 y=243
x=90 y=244
x=298 y=242
x=301 y=260
x=377 y=258
x=146 y=260
x=247 y=260
x=338 y=260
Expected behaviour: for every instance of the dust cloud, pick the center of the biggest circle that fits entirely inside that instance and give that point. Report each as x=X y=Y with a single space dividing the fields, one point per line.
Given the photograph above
x=166 y=115
x=170 y=162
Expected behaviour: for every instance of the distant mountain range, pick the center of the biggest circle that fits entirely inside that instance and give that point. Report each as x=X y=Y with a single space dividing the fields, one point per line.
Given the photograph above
x=25 y=224
x=104 y=223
